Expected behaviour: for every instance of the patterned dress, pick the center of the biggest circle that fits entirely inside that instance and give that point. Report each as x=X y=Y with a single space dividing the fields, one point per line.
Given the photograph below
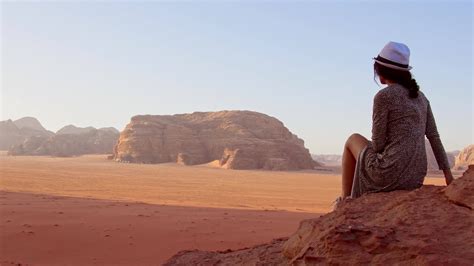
x=396 y=157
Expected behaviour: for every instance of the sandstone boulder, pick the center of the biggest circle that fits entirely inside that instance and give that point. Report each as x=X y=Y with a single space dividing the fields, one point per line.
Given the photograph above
x=235 y=139
x=432 y=225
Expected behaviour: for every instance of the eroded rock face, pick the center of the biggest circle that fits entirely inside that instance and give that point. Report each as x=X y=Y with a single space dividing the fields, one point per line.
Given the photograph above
x=432 y=225
x=236 y=139
x=464 y=158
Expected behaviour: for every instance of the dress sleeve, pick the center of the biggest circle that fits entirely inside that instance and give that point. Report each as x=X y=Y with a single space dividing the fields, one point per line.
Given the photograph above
x=435 y=141
x=379 y=122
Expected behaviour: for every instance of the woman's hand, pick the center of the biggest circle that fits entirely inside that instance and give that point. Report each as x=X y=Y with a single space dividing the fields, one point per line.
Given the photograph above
x=448 y=176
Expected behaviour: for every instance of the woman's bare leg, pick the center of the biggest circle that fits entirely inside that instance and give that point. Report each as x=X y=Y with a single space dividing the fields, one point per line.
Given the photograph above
x=354 y=145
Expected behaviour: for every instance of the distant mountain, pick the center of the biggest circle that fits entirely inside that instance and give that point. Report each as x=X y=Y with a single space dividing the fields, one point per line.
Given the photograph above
x=110 y=129
x=15 y=132
x=328 y=159
x=10 y=134
x=29 y=122
x=26 y=136
x=71 y=129
x=93 y=141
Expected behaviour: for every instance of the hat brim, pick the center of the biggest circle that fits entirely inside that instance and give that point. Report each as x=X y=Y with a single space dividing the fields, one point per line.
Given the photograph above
x=393 y=66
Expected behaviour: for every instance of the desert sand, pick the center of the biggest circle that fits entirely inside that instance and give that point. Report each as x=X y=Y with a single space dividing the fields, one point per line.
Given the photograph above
x=89 y=210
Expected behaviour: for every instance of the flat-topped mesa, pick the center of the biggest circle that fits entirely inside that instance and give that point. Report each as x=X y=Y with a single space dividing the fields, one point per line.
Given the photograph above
x=235 y=139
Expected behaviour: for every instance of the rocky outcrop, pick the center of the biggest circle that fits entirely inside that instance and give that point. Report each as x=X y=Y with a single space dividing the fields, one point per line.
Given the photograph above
x=464 y=158
x=236 y=139
x=93 y=141
x=15 y=132
x=429 y=226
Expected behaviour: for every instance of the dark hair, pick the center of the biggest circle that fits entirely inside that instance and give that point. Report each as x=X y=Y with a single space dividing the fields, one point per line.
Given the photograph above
x=401 y=77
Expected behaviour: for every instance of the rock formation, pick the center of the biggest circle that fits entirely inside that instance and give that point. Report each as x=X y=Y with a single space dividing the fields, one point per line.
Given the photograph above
x=432 y=225
x=464 y=158
x=237 y=139
x=93 y=141
x=15 y=132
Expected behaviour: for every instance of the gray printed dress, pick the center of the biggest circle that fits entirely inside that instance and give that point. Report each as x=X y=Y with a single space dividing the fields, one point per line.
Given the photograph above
x=395 y=159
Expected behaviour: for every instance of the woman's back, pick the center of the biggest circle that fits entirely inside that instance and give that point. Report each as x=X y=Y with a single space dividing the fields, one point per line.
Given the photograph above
x=401 y=160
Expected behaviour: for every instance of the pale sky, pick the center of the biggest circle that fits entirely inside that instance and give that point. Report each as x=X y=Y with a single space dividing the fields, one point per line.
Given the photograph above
x=308 y=64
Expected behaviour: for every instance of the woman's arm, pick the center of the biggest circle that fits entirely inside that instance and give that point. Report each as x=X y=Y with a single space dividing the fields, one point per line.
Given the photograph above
x=448 y=176
x=437 y=146
x=379 y=122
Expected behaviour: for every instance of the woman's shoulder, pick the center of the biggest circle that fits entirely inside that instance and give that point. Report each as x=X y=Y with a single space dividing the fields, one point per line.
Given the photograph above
x=395 y=91
x=388 y=92
x=423 y=96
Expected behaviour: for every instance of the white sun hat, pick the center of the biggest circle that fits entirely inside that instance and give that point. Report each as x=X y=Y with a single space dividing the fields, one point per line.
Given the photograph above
x=395 y=55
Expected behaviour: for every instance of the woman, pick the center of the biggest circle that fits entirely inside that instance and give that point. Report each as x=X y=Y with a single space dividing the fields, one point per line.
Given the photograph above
x=395 y=158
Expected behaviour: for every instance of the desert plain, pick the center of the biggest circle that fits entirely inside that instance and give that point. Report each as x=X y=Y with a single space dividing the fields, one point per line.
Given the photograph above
x=89 y=210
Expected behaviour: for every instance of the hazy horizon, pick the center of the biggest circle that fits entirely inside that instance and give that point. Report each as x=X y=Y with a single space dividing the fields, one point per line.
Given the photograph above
x=309 y=64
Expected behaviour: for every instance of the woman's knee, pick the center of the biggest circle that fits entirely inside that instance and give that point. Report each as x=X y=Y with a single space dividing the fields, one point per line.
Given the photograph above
x=354 y=137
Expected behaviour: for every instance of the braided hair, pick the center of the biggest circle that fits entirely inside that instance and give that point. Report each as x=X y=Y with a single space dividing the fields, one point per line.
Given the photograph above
x=401 y=77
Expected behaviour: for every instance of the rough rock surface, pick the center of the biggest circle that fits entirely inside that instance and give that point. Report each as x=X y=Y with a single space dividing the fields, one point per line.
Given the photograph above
x=464 y=158
x=429 y=226
x=93 y=141
x=236 y=139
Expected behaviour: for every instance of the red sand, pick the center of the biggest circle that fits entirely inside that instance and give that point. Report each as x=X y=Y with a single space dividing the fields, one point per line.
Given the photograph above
x=42 y=229
x=86 y=210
